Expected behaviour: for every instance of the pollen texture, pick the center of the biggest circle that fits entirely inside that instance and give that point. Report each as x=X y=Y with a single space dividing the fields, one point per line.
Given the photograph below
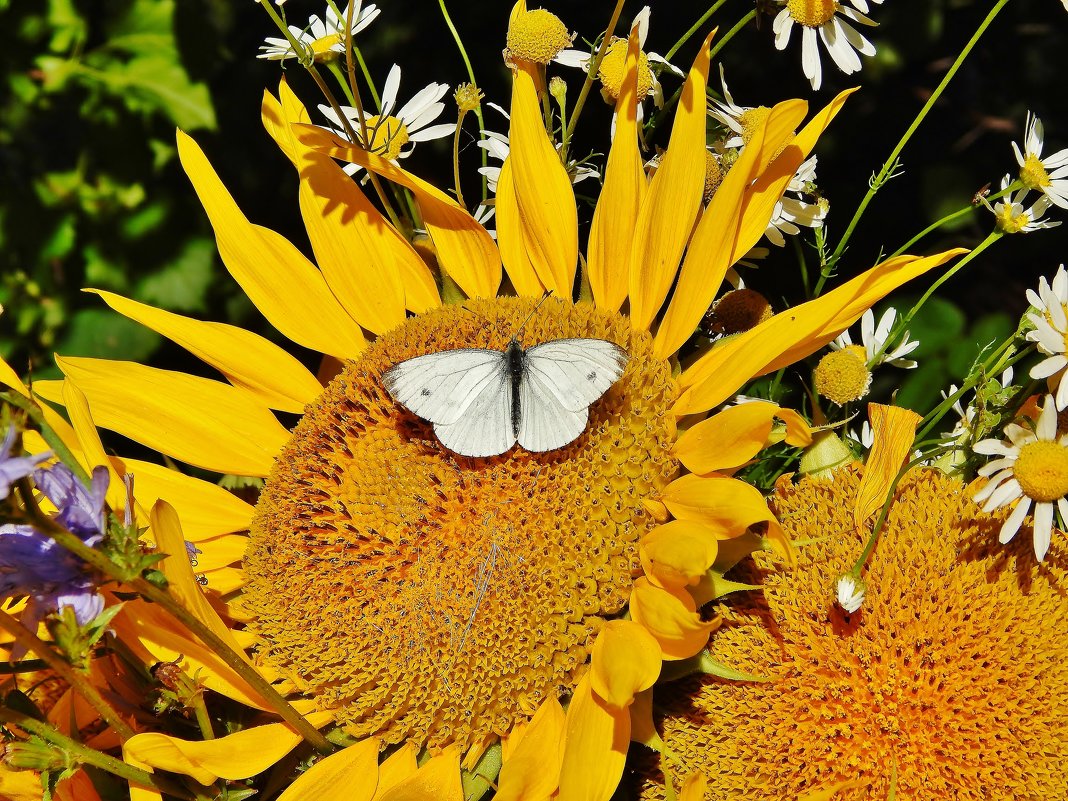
x=613 y=70
x=537 y=36
x=812 y=13
x=842 y=376
x=436 y=599
x=1042 y=470
x=953 y=675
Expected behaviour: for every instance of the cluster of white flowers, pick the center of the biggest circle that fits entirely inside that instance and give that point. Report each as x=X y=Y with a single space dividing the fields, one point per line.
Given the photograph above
x=829 y=23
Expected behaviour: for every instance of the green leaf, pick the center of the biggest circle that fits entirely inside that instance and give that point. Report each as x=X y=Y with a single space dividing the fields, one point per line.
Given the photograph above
x=162 y=84
x=103 y=334
x=920 y=389
x=937 y=325
x=183 y=284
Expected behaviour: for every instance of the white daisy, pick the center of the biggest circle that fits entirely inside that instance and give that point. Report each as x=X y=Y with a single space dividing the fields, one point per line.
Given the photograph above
x=874 y=340
x=1013 y=217
x=828 y=21
x=483 y=214
x=1050 y=328
x=1049 y=175
x=1033 y=469
x=612 y=64
x=394 y=132
x=849 y=592
x=321 y=39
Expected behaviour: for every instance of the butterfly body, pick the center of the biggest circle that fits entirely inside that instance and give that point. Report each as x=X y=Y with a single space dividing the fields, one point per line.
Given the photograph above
x=483 y=401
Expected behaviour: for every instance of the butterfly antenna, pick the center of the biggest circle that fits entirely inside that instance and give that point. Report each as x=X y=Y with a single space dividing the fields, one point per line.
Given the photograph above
x=533 y=311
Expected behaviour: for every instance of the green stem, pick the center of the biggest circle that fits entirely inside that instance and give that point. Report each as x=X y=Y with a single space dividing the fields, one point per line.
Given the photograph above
x=23 y=666
x=90 y=756
x=591 y=73
x=471 y=77
x=31 y=642
x=58 y=446
x=891 y=163
x=101 y=563
x=944 y=221
x=693 y=29
x=367 y=78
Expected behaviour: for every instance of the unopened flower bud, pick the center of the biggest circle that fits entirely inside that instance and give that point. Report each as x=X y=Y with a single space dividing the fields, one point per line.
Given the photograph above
x=850 y=590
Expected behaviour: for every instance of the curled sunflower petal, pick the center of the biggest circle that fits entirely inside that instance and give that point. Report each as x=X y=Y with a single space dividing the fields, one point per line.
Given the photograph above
x=625 y=661
x=671 y=617
x=894 y=429
x=677 y=554
x=596 y=742
x=729 y=439
x=92 y=448
x=354 y=768
x=514 y=252
x=693 y=787
x=670 y=207
x=532 y=765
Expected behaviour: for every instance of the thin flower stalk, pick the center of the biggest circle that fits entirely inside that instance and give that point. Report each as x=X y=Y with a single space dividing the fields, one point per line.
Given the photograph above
x=892 y=162
x=31 y=642
x=949 y=218
x=591 y=73
x=470 y=77
x=160 y=596
x=693 y=29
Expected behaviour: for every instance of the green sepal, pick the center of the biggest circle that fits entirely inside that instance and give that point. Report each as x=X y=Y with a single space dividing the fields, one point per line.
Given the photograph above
x=479 y=781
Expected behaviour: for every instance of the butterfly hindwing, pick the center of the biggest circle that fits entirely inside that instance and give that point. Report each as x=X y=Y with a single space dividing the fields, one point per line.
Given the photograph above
x=441 y=387
x=485 y=427
x=544 y=424
x=576 y=371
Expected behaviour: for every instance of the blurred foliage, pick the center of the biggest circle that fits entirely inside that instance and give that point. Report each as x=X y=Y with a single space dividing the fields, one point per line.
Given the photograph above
x=92 y=195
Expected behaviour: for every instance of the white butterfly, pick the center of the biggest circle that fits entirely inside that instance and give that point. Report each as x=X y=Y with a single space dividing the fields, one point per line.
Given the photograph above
x=483 y=401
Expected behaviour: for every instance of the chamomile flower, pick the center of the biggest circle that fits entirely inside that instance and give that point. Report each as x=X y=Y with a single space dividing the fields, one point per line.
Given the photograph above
x=1050 y=328
x=393 y=133
x=874 y=340
x=1013 y=217
x=325 y=40
x=1049 y=175
x=849 y=592
x=1033 y=469
x=612 y=68
x=829 y=21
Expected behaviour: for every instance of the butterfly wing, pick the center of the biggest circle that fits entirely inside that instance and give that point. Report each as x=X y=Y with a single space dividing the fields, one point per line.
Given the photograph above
x=485 y=427
x=544 y=423
x=441 y=387
x=576 y=372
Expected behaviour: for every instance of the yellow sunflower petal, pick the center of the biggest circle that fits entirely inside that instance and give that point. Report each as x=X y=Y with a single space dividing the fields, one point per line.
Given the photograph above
x=531 y=768
x=671 y=617
x=728 y=439
x=63 y=429
x=465 y=250
x=167 y=530
x=205 y=509
x=139 y=792
x=78 y=787
x=224 y=581
x=342 y=222
x=595 y=746
x=793 y=334
x=235 y=756
x=269 y=268
x=677 y=554
x=693 y=788
x=202 y=422
x=437 y=780
x=616 y=214
x=247 y=360
x=219 y=551
x=625 y=660
x=715 y=246
x=548 y=221
x=798 y=431
x=514 y=252
x=20 y=785
x=397 y=767
x=668 y=212
x=354 y=768
x=894 y=429
x=92 y=449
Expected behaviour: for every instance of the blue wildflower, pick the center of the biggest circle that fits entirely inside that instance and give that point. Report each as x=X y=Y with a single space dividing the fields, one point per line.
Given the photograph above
x=35 y=565
x=12 y=468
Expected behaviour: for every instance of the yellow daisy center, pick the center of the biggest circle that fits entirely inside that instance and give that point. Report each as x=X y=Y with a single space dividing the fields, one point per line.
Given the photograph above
x=811 y=13
x=613 y=70
x=537 y=36
x=1033 y=174
x=430 y=598
x=737 y=311
x=323 y=46
x=1042 y=470
x=468 y=97
x=751 y=120
x=843 y=375
x=955 y=628
x=388 y=135
x=1008 y=221
x=713 y=175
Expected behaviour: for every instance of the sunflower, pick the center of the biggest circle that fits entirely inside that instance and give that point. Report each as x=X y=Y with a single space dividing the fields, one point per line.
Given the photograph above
x=950 y=682
x=425 y=601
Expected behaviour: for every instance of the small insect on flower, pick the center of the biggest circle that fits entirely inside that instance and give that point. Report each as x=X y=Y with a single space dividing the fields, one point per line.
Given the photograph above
x=483 y=401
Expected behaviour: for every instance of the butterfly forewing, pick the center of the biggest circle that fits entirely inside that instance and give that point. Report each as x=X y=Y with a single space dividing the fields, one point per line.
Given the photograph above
x=441 y=387
x=576 y=371
x=544 y=424
x=485 y=427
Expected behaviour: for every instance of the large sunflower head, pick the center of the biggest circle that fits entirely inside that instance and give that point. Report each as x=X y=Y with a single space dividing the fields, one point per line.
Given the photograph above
x=422 y=598
x=951 y=680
